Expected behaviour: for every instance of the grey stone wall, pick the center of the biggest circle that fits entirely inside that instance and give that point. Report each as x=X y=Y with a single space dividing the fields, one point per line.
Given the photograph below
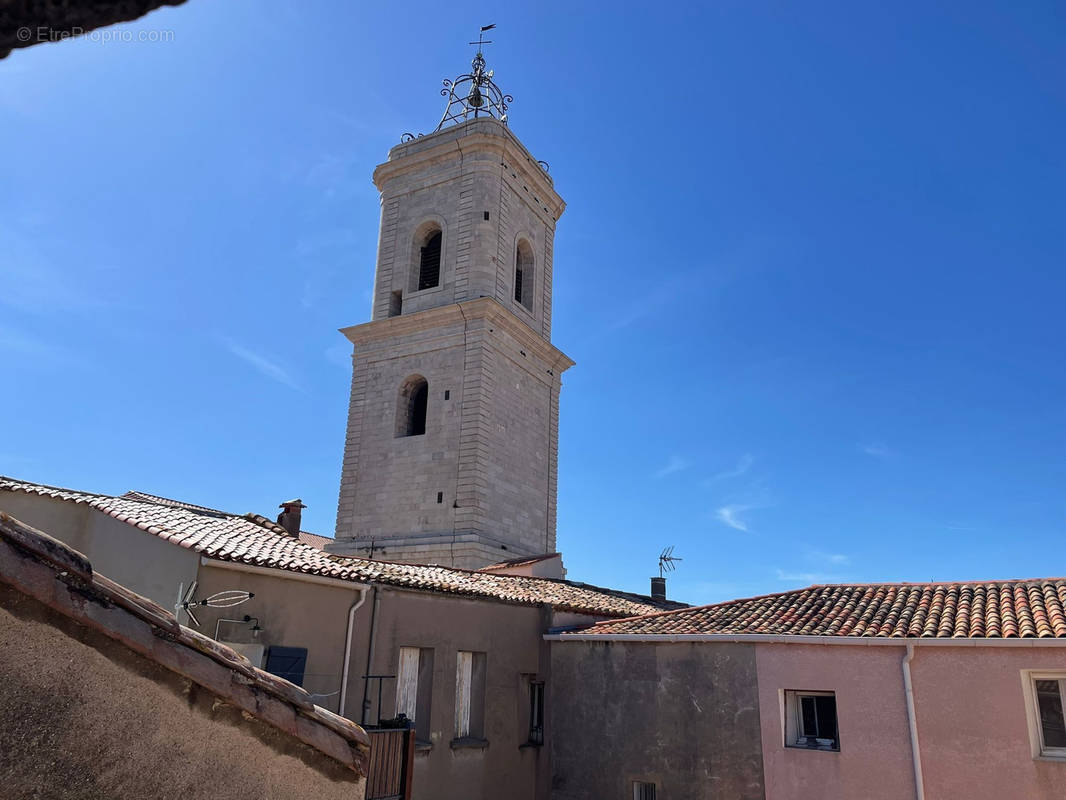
x=491 y=446
x=682 y=715
x=454 y=178
x=489 y=451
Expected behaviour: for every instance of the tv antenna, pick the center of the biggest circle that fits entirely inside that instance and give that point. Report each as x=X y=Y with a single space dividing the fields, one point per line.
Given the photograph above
x=225 y=599
x=666 y=561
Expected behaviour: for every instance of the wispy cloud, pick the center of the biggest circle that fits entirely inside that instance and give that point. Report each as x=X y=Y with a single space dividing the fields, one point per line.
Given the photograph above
x=836 y=559
x=675 y=464
x=730 y=515
x=876 y=450
x=807 y=577
x=37 y=351
x=264 y=365
x=741 y=469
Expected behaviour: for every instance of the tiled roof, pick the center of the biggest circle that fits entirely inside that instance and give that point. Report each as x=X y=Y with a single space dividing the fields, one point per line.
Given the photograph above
x=44 y=568
x=994 y=609
x=313 y=539
x=253 y=539
x=519 y=562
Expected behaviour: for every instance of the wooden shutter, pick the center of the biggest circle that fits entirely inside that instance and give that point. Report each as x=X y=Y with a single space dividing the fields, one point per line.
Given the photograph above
x=463 y=672
x=429 y=263
x=288 y=663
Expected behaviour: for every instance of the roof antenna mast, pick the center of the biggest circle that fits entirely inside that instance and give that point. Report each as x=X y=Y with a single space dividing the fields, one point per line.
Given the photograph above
x=666 y=561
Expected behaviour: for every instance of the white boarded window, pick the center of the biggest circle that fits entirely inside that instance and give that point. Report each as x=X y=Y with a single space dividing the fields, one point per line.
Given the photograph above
x=470 y=695
x=414 y=687
x=407 y=683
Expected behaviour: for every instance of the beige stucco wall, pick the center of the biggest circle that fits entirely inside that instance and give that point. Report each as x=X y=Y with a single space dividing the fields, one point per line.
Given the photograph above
x=296 y=613
x=84 y=717
x=138 y=560
x=299 y=613
x=510 y=635
x=970 y=713
x=292 y=613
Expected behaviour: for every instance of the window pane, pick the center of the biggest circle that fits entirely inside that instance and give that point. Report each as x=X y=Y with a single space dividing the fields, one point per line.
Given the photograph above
x=827 y=717
x=808 y=717
x=1049 y=700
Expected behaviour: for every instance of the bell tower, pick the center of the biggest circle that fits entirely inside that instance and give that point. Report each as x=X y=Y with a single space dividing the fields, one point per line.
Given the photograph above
x=453 y=426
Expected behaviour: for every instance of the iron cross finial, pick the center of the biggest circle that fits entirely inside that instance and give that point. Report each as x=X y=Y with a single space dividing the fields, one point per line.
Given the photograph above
x=481 y=36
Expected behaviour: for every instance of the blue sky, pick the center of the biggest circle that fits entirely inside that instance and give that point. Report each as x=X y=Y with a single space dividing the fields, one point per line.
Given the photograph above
x=811 y=270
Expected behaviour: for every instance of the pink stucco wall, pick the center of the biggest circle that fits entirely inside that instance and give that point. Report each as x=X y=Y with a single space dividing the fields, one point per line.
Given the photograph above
x=874 y=762
x=971 y=723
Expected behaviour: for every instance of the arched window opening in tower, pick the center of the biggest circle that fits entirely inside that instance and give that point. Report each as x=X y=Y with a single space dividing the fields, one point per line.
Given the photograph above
x=411 y=407
x=523 y=275
x=429 y=261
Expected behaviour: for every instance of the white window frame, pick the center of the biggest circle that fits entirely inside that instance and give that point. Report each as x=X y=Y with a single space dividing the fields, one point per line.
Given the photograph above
x=1032 y=712
x=792 y=715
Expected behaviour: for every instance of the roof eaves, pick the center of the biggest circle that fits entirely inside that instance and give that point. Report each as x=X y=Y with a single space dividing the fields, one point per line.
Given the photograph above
x=33 y=563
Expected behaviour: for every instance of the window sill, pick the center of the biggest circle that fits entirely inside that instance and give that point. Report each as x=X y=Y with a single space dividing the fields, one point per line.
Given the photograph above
x=411 y=295
x=469 y=743
x=422 y=746
x=1049 y=757
x=528 y=745
x=813 y=749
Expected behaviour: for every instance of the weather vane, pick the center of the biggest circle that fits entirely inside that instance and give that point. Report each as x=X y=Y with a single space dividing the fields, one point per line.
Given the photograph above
x=481 y=36
x=473 y=94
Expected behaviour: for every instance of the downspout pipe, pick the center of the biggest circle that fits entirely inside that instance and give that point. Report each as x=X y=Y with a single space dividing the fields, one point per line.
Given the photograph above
x=348 y=650
x=912 y=721
x=370 y=656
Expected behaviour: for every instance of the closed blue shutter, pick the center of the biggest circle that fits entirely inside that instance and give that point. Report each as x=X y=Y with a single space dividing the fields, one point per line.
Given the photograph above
x=288 y=663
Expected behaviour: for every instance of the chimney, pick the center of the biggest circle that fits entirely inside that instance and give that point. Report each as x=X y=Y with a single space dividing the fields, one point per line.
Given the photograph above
x=658 y=588
x=289 y=518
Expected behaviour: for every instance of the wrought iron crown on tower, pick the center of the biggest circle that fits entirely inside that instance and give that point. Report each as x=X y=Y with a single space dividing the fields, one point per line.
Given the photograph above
x=472 y=94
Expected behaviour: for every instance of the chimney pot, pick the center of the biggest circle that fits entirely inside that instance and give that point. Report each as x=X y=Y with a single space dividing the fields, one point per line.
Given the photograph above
x=289 y=518
x=658 y=588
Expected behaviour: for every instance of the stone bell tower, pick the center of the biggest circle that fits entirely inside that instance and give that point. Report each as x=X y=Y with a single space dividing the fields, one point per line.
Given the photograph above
x=453 y=426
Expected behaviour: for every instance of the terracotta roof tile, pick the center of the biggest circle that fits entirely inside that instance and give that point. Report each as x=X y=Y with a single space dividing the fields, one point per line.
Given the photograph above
x=1034 y=608
x=253 y=539
x=519 y=562
x=44 y=568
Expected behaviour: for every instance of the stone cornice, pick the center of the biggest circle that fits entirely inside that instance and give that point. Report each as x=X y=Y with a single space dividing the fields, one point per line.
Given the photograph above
x=483 y=134
x=484 y=308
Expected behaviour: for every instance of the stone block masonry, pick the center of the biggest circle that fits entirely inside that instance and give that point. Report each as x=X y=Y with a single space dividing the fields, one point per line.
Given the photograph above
x=479 y=484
